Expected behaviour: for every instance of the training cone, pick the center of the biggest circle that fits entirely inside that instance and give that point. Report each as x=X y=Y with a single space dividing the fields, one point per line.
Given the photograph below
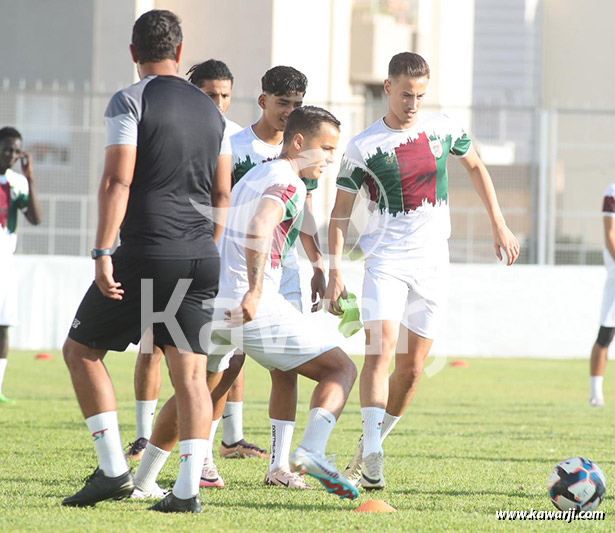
x=43 y=356
x=459 y=362
x=375 y=506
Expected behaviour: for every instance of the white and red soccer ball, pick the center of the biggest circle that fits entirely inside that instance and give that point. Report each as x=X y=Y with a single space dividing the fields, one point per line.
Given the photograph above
x=576 y=483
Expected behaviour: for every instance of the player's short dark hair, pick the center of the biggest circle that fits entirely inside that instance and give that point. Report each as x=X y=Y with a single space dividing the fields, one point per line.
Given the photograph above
x=408 y=64
x=9 y=133
x=212 y=69
x=156 y=35
x=282 y=81
x=307 y=120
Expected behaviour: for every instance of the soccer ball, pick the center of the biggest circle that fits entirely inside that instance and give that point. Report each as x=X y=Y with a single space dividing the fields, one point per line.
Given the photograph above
x=576 y=483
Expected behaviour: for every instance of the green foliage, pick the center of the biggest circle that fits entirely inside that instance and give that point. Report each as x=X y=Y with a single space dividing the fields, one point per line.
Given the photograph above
x=475 y=440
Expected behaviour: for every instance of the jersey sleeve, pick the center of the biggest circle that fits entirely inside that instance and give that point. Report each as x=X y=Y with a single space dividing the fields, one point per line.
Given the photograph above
x=122 y=118
x=291 y=198
x=460 y=140
x=310 y=185
x=608 y=203
x=225 y=144
x=352 y=170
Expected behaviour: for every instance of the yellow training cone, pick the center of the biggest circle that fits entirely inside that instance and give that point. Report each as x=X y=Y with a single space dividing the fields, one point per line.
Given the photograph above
x=375 y=506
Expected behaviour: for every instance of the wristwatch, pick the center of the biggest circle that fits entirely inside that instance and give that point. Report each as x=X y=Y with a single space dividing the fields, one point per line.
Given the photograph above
x=95 y=254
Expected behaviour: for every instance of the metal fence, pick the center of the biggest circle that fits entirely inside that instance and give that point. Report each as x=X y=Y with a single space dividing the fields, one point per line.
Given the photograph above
x=549 y=167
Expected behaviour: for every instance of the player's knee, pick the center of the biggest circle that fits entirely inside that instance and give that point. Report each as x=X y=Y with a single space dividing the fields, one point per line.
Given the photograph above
x=345 y=366
x=605 y=336
x=287 y=380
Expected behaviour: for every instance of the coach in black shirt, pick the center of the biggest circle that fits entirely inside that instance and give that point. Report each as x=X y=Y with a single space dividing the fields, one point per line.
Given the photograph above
x=163 y=142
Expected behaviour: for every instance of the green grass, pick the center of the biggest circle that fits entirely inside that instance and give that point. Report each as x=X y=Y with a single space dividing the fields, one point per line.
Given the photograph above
x=475 y=440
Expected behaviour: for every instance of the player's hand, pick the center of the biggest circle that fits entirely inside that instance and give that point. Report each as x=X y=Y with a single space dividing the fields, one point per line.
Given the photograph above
x=26 y=165
x=104 y=278
x=504 y=239
x=335 y=289
x=245 y=312
x=319 y=286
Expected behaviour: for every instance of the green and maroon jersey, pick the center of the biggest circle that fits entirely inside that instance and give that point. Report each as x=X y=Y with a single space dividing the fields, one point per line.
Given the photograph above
x=404 y=173
x=275 y=180
x=14 y=193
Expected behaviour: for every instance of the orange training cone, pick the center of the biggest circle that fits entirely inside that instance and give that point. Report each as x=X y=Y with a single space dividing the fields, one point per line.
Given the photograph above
x=459 y=362
x=375 y=506
x=44 y=356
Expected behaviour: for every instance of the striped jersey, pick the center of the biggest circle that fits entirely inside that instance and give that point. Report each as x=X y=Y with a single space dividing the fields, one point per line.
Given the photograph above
x=404 y=174
x=275 y=180
x=14 y=192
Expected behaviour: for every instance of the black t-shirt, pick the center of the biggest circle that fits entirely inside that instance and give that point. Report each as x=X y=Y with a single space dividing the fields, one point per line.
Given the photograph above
x=178 y=131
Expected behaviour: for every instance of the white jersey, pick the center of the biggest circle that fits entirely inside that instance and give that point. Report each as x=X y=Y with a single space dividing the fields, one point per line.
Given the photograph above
x=249 y=150
x=232 y=127
x=275 y=180
x=14 y=192
x=404 y=174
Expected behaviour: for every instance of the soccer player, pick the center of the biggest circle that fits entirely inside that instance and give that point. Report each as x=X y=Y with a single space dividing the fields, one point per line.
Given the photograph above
x=17 y=193
x=607 y=313
x=283 y=89
x=158 y=158
x=215 y=79
x=401 y=161
x=264 y=220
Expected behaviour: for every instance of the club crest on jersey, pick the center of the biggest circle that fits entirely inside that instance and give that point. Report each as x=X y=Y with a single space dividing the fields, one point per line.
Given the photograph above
x=436 y=147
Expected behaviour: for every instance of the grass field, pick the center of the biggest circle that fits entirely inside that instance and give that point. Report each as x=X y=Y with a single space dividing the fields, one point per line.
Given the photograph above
x=476 y=440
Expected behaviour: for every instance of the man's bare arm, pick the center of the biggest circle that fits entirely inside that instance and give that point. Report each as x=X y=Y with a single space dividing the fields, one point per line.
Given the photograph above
x=338 y=229
x=257 y=248
x=609 y=234
x=221 y=193
x=503 y=238
x=311 y=245
x=113 y=196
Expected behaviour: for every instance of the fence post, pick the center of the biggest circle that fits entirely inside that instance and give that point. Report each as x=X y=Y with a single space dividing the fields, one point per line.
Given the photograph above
x=543 y=178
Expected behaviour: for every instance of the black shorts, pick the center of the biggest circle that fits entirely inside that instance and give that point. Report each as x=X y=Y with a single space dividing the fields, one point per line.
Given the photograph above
x=109 y=324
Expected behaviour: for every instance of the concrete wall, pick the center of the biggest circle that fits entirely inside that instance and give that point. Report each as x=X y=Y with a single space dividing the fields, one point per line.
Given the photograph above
x=523 y=311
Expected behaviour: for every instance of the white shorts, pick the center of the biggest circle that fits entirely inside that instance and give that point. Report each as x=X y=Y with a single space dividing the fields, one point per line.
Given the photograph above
x=607 y=313
x=290 y=286
x=412 y=292
x=278 y=337
x=8 y=291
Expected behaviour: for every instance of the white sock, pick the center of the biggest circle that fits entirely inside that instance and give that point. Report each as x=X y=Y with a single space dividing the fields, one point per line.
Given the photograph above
x=150 y=466
x=212 y=435
x=3 y=363
x=317 y=430
x=232 y=423
x=192 y=453
x=595 y=386
x=145 y=410
x=281 y=440
x=106 y=434
x=388 y=423
x=372 y=425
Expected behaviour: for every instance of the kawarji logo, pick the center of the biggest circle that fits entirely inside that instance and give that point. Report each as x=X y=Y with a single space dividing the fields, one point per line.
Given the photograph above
x=184 y=457
x=379 y=426
x=99 y=434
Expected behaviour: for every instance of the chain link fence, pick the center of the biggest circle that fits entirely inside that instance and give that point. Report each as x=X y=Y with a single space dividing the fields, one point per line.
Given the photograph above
x=549 y=167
